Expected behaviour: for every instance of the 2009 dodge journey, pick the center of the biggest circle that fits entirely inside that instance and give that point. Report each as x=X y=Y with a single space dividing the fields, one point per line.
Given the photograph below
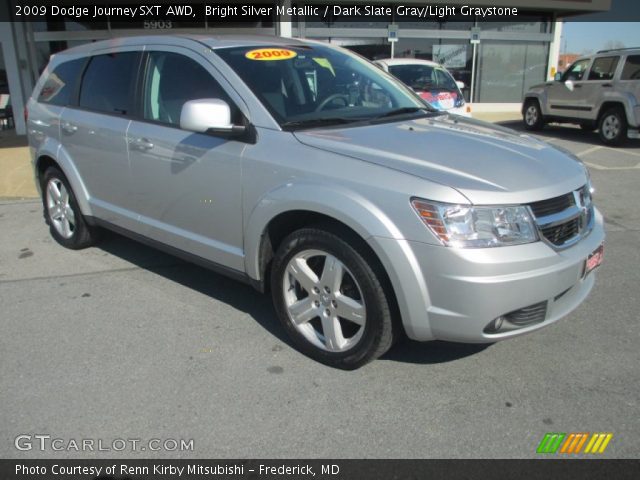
x=308 y=172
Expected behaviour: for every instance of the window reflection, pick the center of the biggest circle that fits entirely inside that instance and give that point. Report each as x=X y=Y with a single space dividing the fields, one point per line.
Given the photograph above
x=507 y=70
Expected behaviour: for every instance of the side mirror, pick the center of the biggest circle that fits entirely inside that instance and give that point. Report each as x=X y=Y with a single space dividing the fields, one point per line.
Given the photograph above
x=208 y=115
x=557 y=77
x=460 y=84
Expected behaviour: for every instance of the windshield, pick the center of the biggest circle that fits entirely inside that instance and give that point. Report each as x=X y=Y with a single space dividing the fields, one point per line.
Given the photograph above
x=315 y=84
x=424 y=77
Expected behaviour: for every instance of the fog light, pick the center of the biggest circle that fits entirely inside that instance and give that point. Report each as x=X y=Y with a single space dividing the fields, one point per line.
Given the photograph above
x=497 y=323
x=494 y=326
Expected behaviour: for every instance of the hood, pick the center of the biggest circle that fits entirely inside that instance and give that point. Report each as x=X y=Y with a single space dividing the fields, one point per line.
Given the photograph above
x=486 y=163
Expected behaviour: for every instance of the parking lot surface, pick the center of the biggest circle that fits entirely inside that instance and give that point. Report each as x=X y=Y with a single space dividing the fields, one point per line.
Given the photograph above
x=121 y=341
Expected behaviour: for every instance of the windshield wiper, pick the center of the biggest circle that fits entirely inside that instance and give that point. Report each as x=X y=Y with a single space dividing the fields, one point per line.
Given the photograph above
x=318 y=122
x=402 y=111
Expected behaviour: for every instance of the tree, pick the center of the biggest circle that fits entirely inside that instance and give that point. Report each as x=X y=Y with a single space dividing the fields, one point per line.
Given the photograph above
x=614 y=45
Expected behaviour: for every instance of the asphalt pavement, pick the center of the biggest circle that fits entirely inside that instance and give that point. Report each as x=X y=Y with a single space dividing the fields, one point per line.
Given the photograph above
x=123 y=342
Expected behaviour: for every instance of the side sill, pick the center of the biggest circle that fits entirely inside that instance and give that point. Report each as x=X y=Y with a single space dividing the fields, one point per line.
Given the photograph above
x=176 y=252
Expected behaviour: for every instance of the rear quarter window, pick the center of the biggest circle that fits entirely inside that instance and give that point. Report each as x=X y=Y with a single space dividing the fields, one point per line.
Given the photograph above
x=107 y=84
x=59 y=86
x=631 y=70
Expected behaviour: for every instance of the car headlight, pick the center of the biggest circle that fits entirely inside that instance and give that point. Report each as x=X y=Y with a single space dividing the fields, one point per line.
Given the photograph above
x=466 y=226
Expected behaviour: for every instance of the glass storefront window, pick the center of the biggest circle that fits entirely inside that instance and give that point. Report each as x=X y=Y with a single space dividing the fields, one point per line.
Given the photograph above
x=524 y=24
x=370 y=48
x=505 y=70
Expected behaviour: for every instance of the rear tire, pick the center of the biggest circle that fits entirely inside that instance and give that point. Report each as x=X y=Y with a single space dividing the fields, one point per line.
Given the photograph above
x=532 y=115
x=330 y=299
x=66 y=223
x=612 y=127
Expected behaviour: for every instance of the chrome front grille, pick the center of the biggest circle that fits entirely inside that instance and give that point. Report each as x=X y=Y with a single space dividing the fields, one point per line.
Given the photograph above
x=553 y=205
x=563 y=221
x=561 y=234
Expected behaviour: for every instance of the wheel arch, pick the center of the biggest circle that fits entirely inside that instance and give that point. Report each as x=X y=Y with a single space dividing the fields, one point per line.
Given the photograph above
x=45 y=158
x=608 y=104
x=533 y=96
x=287 y=210
x=295 y=205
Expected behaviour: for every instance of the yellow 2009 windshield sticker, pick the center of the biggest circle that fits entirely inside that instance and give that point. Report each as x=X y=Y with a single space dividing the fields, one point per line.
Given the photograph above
x=270 y=54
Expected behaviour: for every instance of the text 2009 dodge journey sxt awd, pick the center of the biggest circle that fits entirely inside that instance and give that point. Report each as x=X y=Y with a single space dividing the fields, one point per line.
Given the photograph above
x=305 y=170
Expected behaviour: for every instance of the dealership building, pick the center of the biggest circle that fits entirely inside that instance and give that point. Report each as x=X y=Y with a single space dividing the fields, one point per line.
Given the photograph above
x=497 y=58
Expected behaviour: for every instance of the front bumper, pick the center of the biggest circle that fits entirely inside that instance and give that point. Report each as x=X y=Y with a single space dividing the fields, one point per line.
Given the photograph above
x=469 y=288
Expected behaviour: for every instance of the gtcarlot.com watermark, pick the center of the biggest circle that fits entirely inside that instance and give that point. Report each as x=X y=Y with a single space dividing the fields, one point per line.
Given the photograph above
x=48 y=443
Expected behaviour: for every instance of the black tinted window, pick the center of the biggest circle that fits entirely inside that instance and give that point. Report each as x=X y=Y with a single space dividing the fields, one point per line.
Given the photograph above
x=107 y=83
x=576 y=71
x=603 y=68
x=423 y=77
x=60 y=84
x=173 y=79
x=631 y=70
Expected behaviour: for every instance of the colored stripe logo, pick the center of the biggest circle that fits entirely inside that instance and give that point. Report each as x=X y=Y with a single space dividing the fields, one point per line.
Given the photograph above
x=573 y=443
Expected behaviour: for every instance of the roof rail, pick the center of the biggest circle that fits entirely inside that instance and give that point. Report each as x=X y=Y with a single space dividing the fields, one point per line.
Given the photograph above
x=617 y=49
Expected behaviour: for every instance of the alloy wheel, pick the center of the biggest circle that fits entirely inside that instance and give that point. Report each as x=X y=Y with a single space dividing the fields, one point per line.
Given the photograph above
x=531 y=115
x=59 y=209
x=324 y=301
x=611 y=127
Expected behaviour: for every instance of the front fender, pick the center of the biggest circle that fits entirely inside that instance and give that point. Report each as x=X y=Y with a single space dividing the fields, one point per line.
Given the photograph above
x=368 y=221
x=540 y=96
x=336 y=202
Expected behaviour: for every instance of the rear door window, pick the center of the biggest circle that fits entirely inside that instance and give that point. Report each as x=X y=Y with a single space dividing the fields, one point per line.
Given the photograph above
x=107 y=85
x=631 y=70
x=603 y=68
x=59 y=86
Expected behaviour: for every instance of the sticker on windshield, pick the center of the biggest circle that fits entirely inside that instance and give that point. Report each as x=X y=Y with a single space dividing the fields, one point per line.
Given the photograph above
x=270 y=54
x=323 y=62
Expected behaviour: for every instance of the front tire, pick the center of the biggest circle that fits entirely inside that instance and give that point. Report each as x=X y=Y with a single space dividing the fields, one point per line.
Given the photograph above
x=329 y=297
x=532 y=116
x=66 y=223
x=613 y=126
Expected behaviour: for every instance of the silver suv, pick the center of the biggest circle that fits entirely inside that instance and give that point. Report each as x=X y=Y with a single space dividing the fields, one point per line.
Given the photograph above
x=600 y=92
x=308 y=172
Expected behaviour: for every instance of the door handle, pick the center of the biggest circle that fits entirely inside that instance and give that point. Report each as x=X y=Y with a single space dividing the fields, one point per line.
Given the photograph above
x=607 y=85
x=141 y=144
x=69 y=127
x=577 y=85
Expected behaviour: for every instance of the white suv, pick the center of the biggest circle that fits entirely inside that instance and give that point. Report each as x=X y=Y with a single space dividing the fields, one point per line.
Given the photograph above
x=431 y=81
x=601 y=91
